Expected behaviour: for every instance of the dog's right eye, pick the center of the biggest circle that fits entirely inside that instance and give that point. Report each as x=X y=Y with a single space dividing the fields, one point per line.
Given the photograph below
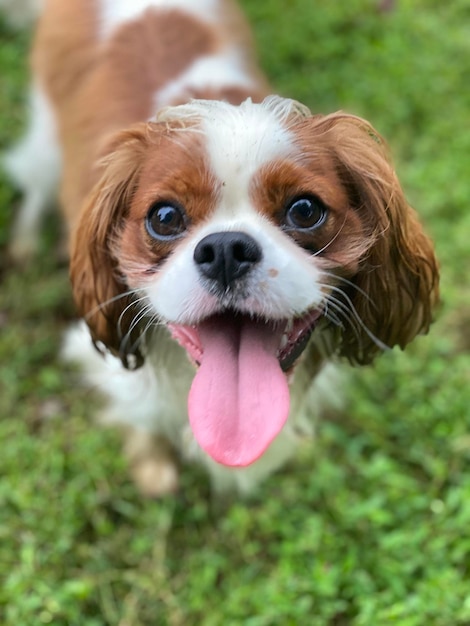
x=165 y=221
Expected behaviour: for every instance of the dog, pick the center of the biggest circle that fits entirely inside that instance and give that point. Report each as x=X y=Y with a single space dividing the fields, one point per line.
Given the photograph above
x=226 y=251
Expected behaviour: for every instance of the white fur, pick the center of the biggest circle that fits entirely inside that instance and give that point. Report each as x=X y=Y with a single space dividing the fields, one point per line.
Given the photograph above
x=34 y=165
x=210 y=72
x=117 y=12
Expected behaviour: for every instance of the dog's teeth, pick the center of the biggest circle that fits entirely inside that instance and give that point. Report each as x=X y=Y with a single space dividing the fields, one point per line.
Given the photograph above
x=284 y=341
x=289 y=326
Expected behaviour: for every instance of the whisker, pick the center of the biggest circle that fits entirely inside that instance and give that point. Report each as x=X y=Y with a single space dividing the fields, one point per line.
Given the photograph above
x=348 y=307
x=332 y=239
x=138 y=317
x=352 y=285
x=124 y=311
x=100 y=306
x=330 y=315
x=344 y=312
x=153 y=321
x=123 y=346
x=353 y=326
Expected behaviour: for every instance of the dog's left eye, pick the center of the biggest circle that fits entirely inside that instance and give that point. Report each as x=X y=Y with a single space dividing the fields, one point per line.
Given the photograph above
x=305 y=213
x=165 y=221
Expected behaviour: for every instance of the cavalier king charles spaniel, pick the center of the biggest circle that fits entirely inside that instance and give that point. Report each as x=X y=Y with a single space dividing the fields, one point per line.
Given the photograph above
x=225 y=251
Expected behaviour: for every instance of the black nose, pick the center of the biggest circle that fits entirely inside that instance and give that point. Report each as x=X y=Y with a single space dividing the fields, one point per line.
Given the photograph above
x=224 y=257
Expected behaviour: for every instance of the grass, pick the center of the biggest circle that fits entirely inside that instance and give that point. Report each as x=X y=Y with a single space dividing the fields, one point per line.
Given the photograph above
x=371 y=526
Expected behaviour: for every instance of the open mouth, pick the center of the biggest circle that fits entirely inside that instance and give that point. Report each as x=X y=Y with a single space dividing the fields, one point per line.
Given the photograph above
x=293 y=334
x=239 y=400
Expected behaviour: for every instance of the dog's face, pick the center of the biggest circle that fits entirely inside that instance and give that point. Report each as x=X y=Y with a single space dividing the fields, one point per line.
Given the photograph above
x=242 y=229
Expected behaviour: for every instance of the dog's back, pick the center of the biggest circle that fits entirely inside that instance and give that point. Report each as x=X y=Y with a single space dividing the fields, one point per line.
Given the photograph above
x=102 y=65
x=106 y=65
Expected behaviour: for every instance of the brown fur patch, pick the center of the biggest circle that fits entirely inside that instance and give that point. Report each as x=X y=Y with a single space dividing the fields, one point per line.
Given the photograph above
x=281 y=182
x=107 y=86
x=65 y=50
x=395 y=287
x=175 y=170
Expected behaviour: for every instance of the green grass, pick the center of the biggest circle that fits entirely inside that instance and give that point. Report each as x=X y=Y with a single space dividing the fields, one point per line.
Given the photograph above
x=372 y=526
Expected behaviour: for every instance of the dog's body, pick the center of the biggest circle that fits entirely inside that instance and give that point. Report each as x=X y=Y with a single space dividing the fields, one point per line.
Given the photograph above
x=224 y=233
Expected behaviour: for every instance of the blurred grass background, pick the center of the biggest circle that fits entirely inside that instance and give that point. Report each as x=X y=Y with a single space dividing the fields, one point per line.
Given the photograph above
x=372 y=525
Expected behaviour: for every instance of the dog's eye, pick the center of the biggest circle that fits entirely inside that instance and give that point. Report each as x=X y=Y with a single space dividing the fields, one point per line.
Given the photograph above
x=305 y=213
x=165 y=221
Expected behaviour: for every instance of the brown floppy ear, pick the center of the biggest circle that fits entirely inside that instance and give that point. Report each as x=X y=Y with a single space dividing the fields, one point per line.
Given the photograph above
x=99 y=291
x=397 y=282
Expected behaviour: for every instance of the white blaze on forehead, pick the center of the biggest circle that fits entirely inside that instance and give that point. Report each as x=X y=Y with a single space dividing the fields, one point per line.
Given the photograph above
x=241 y=139
x=117 y=12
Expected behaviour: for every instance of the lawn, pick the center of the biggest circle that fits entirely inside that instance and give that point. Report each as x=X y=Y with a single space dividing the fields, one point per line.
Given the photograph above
x=372 y=525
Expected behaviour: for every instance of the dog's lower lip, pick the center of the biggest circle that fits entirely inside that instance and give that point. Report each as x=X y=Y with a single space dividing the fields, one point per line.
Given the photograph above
x=289 y=360
x=297 y=339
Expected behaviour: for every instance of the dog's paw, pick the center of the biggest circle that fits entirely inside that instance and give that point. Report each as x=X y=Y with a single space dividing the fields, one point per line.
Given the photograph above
x=153 y=464
x=155 y=478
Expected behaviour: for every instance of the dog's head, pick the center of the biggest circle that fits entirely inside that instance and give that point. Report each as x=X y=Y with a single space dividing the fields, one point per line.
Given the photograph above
x=242 y=229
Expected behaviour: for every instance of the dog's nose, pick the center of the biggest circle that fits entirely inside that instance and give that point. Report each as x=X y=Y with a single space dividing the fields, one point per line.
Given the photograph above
x=225 y=257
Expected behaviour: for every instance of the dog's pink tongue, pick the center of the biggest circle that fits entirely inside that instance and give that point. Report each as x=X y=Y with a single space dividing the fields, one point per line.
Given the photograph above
x=239 y=399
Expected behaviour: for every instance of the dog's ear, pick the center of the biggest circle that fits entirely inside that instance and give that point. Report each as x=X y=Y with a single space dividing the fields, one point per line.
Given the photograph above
x=100 y=292
x=396 y=287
